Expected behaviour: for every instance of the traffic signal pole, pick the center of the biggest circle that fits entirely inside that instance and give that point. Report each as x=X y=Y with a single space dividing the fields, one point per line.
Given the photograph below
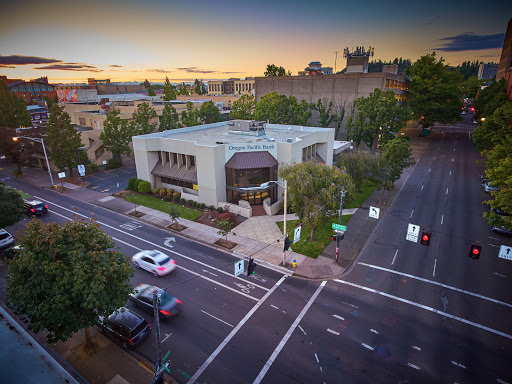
x=157 y=330
x=338 y=235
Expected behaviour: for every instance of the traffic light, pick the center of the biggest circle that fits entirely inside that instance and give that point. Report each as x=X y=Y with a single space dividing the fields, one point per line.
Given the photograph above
x=341 y=235
x=474 y=251
x=333 y=237
x=159 y=379
x=251 y=267
x=425 y=238
x=287 y=243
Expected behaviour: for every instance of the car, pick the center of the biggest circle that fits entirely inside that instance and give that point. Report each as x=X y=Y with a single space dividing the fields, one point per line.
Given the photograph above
x=125 y=327
x=35 y=207
x=6 y=239
x=463 y=113
x=488 y=187
x=143 y=298
x=10 y=253
x=156 y=262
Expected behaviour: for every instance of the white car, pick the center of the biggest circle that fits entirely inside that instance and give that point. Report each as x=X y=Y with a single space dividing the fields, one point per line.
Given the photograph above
x=156 y=262
x=463 y=112
x=488 y=187
x=6 y=239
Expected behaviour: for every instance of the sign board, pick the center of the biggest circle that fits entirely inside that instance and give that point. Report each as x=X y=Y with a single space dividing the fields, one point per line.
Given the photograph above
x=339 y=231
x=374 y=212
x=269 y=146
x=239 y=267
x=81 y=169
x=339 y=226
x=296 y=235
x=413 y=232
x=505 y=252
x=62 y=174
x=104 y=162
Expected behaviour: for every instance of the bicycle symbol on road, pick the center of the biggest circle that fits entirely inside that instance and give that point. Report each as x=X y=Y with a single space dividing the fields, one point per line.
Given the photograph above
x=245 y=288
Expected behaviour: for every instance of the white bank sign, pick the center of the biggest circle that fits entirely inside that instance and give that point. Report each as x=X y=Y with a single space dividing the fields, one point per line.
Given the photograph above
x=269 y=146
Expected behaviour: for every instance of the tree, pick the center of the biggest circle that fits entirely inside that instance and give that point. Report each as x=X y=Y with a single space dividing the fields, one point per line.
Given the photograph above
x=273 y=70
x=224 y=227
x=63 y=139
x=311 y=187
x=11 y=206
x=435 y=91
x=65 y=277
x=490 y=99
x=174 y=213
x=184 y=90
x=199 y=88
x=190 y=116
x=471 y=86
x=169 y=91
x=169 y=119
x=243 y=108
x=143 y=120
x=149 y=88
x=209 y=113
x=116 y=135
x=279 y=109
x=495 y=127
x=361 y=166
x=376 y=118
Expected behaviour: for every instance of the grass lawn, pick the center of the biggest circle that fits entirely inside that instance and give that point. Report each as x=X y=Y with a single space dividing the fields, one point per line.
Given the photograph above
x=163 y=206
x=322 y=235
x=22 y=194
x=361 y=197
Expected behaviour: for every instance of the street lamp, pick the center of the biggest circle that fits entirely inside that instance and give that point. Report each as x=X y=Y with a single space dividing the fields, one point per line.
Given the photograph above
x=44 y=150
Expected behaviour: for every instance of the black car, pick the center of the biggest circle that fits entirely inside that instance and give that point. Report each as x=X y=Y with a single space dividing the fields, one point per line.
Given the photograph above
x=35 y=207
x=143 y=298
x=126 y=327
x=9 y=253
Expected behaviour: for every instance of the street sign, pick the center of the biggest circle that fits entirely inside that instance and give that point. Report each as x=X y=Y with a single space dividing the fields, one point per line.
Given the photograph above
x=239 y=267
x=104 y=162
x=81 y=169
x=339 y=226
x=296 y=235
x=62 y=174
x=412 y=233
x=505 y=252
x=374 y=212
x=339 y=231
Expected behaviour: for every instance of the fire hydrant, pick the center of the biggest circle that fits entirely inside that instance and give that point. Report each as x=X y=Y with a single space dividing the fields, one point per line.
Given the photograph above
x=294 y=263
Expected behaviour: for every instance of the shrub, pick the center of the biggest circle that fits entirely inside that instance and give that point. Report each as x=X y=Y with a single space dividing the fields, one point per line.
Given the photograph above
x=202 y=206
x=211 y=207
x=170 y=191
x=93 y=167
x=155 y=191
x=169 y=194
x=220 y=209
x=144 y=186
x=183 y=201
x=113 y=163
x=229 y=216
x=191 y=202
x=162 y=192
x=136 y=185
x=176 y=197
x=131 y=183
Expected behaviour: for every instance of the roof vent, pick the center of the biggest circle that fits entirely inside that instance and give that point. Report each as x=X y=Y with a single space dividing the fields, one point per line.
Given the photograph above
x=289 y=140
x=219 y=142
x=271 y=139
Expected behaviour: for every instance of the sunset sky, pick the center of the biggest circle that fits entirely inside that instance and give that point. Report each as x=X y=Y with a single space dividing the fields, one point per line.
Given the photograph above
x=126 y=40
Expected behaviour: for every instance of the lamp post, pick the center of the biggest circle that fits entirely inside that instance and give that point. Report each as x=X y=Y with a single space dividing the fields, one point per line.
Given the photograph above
x=44 y=150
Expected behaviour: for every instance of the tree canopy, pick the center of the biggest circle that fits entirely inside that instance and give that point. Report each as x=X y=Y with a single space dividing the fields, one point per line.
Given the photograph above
x=471 y=86
x=209 y=113
x=190 y=117
x=65 y=277
x=243 y=108
x=149 y=88
x=116 y=135
x=144 y=120
x=495 y=127
x=435 y=93
x=361 y=166
x=11 y=206
x=170 y=92
x=490 y=98
x=184 y=90
x=279 y=109
x=274 y=70
x=169 y=119
x=199 y=88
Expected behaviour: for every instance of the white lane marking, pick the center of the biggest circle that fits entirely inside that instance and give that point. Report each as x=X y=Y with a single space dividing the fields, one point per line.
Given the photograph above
x=440 y=284
x=499 y=333
x=367 y=346
x=434 y=272
x=394 y=258
x=453 y=159
x=422 y=187
x=442 y=219
x=350 y=305
x=318 y=361
x=411 y=214
x=416 y=348
x=278 y=349
x=338 y=317
x=414 y=366
x=493 y=238
x=303 y=331
x=501 y=381
x=429 y=169
x=333 y=332
x=499 y=274
x=457 y=364
x=157 y=245
x=222 y=321
x=166 y=337
x=453 y=149
x=374 y=331
x=234 y=331
x=492 y=245
x=450 y=173
x=273 y=306
x=446 y=190
x=321 y=370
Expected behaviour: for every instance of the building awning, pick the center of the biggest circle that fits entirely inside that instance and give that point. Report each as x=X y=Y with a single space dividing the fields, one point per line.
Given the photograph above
x=173 y=172
x=249 y=160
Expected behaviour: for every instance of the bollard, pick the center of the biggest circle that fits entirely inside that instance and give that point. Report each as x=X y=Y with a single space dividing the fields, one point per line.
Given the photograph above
x=294 y=263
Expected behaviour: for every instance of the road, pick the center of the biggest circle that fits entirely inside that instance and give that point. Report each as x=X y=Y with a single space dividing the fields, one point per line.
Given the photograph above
x=404 y=313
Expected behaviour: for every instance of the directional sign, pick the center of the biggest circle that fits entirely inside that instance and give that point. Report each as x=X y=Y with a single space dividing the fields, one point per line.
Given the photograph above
x=104 y=162
x=339 y=231
x=81 y=168
x=62 y=174
x=339 y=226
x=168 y=240
x=505 y=252
x=412 y=232
x=296 y=235
x=239 y=267
x=374 y=212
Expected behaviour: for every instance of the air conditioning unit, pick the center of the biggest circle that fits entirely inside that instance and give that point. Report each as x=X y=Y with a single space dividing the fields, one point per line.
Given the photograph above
x=289 y=140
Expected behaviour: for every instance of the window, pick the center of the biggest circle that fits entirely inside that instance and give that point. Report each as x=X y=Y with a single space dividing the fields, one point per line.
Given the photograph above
x=166 y=157
x=183 y=159
x=82 y=121
x=99 y=151
x=192 y=161
x=175 y=158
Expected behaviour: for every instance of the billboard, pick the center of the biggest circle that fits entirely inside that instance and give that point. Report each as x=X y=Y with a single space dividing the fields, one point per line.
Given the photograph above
x=67 y=96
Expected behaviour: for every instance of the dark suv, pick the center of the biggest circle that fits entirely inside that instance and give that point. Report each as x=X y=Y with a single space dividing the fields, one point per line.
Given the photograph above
x=126 y=327
x=35 y=207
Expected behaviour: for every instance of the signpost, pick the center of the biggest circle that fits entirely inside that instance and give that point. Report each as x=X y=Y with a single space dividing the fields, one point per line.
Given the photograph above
x=413 y=232
x=296 y=235
x=374 y=212
x=239 y=267
x=505 y=252
x=81 y=170
x=339 y=227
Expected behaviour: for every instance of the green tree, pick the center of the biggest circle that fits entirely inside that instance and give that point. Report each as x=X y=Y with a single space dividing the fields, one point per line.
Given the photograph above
x=224 y=227
x=199 y=87
x=209 y=113
x=169 y=91
x=273 y=70
x=190 y=117
x=279 y=109
x=471 y=86
x=65 y=277
x=376 y=118
x=184 y=90
x=144 y=120
x=494 y=128
x=149 y=88
x=243 y=108
x=361 y=166
x=116 y=135
x=174 y=214
x=11 y=206
x=49 y=102
x=311 y=187
x=435 y=91
x=490 y=99
x=63 y=139
x=169 y=119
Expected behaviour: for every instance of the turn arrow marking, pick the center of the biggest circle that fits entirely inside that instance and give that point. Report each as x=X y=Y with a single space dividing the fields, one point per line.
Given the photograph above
x=168 y=240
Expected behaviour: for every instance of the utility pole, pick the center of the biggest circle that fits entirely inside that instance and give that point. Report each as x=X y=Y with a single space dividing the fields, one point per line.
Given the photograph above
x=338 y=235
x=156 y=300
x=336 y=59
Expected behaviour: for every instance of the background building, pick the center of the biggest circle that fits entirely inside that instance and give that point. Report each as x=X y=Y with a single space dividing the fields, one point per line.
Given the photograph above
x=315 y=68
x=505 y=67
x=31 y=91
x=231 y=87
x=487 y=71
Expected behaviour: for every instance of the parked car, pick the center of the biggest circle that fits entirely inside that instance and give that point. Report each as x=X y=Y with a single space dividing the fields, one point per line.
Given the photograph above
x=156 y=262
x=125 y=327
x=35 y=207
x=463 y=112
x=6 y=239
x=143 y=298
x=10 y=253
x=501 y=221
x=488 y=187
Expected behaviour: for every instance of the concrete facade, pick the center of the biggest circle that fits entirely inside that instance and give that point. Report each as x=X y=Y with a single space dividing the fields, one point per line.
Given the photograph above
x=506 y=54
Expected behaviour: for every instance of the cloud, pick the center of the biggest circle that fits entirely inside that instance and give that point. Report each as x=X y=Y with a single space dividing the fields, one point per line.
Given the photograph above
x=6 y=66
x=204 y=71
x=158 y=70
x=495 y=56
x=432 y=20
x=115 y=66
x=71 y=67
x=471 y=42
x=26 y=60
